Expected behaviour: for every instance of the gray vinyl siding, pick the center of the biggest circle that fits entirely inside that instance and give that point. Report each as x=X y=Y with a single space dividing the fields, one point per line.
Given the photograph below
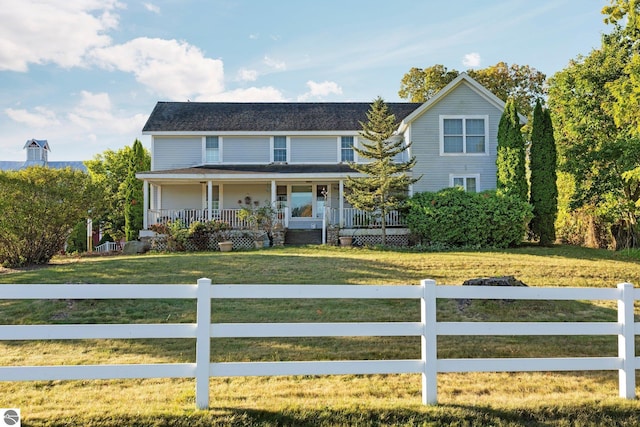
x=425 y=135
x=176 y=153
x=314 y=150
x=245 y=150
x=182 y=196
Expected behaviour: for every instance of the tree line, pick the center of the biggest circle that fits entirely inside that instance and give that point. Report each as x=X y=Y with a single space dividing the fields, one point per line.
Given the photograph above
x=592 y=117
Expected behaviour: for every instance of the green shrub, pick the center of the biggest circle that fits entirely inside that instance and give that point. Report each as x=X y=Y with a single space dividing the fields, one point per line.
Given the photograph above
x=462 y=219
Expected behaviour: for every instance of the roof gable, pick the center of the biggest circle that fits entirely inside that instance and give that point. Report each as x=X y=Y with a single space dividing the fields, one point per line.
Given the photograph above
x=40 y=143
x=463 y=78
x=263 y=117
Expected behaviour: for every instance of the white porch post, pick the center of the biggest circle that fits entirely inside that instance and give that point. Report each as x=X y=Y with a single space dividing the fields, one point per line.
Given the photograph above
x=145 y=218
x=209 y=200
x=341 y=204
x=274 y=190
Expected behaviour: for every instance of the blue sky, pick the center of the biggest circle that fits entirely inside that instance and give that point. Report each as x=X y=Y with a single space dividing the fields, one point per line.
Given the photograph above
x=85 y=74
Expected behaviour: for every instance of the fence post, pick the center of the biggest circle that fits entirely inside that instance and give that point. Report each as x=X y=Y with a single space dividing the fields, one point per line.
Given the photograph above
x=429 y=347
x=626 y=342
x=203 y=340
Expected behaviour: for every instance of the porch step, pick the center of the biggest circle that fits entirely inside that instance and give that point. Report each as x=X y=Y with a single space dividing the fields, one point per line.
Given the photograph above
x=303 y=237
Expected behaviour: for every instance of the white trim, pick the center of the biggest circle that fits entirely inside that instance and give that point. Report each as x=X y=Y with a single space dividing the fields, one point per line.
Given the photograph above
x=464 y=119
x=465 y=176
x=254 y=133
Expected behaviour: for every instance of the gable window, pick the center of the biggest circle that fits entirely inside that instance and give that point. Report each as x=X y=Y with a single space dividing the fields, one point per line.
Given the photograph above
x=212 y=150
x=346 y=149
x=470 y=183
x=463 y=134
x=279 y=148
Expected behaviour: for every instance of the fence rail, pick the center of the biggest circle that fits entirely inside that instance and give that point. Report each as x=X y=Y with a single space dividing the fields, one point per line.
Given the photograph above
x=428 y=365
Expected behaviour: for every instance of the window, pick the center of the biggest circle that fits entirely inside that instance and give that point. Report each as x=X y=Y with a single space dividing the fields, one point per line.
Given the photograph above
x=463 y=135
x=470 y=183
x=212 y=150
x=279 y=148
x=346 y=149
x=301 y=201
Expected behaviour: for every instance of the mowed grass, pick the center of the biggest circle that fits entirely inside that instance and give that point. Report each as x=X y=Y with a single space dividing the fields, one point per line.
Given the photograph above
x=500 y=399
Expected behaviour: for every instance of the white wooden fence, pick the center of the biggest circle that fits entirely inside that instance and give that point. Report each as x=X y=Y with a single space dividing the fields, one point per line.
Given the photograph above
x=428 y=328
x=108 y=247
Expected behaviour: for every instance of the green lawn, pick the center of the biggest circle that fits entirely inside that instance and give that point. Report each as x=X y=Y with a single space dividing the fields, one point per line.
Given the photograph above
x=465 y=399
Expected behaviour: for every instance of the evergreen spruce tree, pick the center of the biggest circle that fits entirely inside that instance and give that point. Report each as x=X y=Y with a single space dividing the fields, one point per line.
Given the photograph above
x=510 y=162
x=384 y=184
x=544 y=190
x=133 y=206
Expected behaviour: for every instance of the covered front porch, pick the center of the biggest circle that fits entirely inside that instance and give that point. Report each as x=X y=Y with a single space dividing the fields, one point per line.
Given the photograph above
x=298 y=204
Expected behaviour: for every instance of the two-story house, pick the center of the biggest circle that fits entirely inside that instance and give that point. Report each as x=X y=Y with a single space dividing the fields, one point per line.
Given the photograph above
x=211 y=159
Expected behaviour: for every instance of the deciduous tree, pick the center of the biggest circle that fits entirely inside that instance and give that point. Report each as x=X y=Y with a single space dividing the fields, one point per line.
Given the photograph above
x=522 y=83
x=385 y=181
x=597 y=148
x=40 y=207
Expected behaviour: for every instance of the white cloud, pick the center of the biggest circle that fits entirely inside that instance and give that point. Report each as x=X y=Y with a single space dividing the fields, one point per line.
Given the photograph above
x=90 y=126
x=152 y=8
x=94 y=113
x=53 y=31
x=471 y=59
x=172 y=69
x=272 y=63
x=246 y=75
x=40 y=118
x=320 y=90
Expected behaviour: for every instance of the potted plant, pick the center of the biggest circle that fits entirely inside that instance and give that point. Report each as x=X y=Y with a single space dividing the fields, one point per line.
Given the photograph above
x=346 y=240
x=222 y=231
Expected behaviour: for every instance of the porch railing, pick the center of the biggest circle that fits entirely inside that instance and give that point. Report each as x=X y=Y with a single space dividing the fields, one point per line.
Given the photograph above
x=356 y=218
x=188 y=216
x=108 y=247
x=352 y=218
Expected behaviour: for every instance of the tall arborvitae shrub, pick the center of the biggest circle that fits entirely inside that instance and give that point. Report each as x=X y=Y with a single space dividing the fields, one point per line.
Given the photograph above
x=544 y=189
x=511 y=179
x=134 y=203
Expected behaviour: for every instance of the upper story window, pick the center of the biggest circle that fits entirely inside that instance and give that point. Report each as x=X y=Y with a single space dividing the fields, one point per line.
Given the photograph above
x=346 y=149
x=470 y=183
x=279 y=148
x=212 y=149
x=463 y=134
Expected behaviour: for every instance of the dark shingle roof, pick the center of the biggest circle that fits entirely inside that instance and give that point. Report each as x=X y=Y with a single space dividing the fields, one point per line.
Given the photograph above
x=264 y=117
